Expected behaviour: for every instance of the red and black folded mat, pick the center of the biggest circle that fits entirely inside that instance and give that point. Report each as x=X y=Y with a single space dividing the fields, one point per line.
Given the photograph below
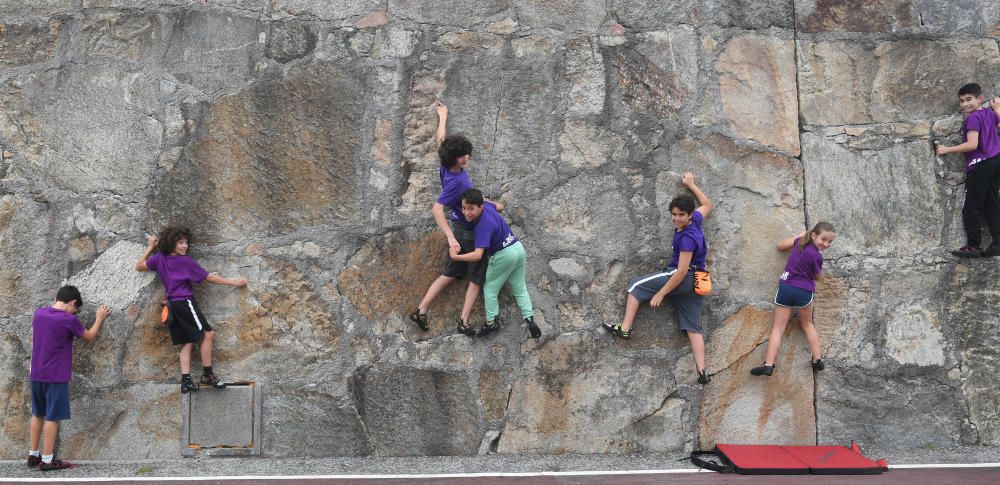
x=788 y=460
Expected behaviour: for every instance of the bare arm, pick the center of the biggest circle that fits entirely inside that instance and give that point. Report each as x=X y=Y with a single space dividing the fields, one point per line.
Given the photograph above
x=787 y=243
x=151 y=242
x=218 y=280
x=995 y=104
x=442 y=111
x=91 y=333
x=467 y=257
x=442 y=221
x=499 y=206
x=704 y=205
x=968 y=146
x=683 y=263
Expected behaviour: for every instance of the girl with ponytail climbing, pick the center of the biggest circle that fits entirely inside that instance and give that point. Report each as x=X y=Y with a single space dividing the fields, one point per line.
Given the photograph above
x=796 y=289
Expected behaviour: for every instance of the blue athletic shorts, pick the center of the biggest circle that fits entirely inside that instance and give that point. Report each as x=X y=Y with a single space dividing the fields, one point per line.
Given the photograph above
x=790 y=296
x=50 y=400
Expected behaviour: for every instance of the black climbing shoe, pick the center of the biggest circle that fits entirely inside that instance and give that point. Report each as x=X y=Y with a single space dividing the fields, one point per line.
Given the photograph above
x=703 y=377
x=420 y=319
x=967 y=251
x=764 y=370
x=489 y=327
x=533 y=327
x=212 y=381
x=617 y=331
x=466 y=329
x=188 y=385
x=818 y=364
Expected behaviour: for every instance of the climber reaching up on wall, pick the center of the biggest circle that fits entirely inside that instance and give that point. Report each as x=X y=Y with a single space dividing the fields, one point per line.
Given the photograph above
x=677 y=280
x=796 y=289
x=454 y=152
x=188 y=326
x=981 y=147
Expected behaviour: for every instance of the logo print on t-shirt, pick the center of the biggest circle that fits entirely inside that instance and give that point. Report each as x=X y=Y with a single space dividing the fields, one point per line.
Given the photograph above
x=784 y=276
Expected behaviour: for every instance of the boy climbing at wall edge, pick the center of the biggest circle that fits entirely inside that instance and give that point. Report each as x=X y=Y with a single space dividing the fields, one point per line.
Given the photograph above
x=981 y=147
x=53 y=330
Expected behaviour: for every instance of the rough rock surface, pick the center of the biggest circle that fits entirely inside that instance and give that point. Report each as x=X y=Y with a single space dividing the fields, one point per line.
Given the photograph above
x=296 y=138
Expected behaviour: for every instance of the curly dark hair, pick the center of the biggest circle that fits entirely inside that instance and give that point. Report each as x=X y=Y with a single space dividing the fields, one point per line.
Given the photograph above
x=685 y=203
x=170 y=236
x=453 y=147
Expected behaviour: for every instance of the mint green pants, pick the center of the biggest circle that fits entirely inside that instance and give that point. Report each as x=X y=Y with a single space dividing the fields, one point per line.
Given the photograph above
x=506 y=266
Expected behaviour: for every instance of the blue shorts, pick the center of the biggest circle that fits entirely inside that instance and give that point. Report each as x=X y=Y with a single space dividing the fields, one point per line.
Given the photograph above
x=790 y=296
x=50 y=400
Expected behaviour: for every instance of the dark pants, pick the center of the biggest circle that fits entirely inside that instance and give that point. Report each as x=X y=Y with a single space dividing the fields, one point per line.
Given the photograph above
x=981 y=198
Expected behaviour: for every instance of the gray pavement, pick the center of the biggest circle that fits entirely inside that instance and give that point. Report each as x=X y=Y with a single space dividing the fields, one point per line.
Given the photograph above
x=260 y=466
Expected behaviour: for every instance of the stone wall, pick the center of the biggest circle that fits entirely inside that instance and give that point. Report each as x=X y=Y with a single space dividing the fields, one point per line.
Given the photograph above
x=295 y=137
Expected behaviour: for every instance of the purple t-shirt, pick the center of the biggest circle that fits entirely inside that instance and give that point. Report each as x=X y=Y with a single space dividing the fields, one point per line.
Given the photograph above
x=492 y=231
x=803 y=267
x=985 y=122
x=178 y=273
x=690 y=239
x=453 y=185
x=53 y=332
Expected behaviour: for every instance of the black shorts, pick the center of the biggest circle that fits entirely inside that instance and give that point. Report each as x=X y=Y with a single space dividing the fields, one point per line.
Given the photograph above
x=186 y=322
x=475 y=272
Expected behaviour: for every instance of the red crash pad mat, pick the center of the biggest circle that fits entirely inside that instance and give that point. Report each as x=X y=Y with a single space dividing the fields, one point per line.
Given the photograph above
x=796 y=460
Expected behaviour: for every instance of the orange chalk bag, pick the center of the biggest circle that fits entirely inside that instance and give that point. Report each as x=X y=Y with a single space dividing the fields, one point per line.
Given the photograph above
x=702 y=282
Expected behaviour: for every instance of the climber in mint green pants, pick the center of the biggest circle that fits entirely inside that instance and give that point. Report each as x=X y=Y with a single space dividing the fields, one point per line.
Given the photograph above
x=506 y=264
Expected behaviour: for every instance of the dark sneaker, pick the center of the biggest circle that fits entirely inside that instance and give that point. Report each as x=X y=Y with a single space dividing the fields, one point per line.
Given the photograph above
x=465 y=329
x=818 y=364
x=533 y=327
x=703 y=377
x=212 y=381
x=489 y=327
x=55 y=465
x=33 y=461
x=420 y=319
x=967 y=252
x=617 y=331
x=764 y=370
x=188 y=385
x=992 y=251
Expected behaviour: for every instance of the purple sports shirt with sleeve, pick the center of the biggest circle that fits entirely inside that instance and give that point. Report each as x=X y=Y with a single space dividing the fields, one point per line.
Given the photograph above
x=453 y=185
x=52 y=333
x=692 y=239
x=984 y=121
x=492 y=231
x=802 y=267
x=178 y=273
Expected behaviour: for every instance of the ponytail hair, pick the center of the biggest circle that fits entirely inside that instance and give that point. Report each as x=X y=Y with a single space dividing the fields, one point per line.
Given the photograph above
x=818 y=229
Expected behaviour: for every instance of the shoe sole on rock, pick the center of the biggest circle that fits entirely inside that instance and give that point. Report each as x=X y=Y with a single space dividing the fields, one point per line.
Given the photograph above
x=533 y=330
x=421 y=322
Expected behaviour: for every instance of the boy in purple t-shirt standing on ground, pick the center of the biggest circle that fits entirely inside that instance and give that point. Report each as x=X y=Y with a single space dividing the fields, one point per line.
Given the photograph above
x=53 y=330
x=982 y=171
